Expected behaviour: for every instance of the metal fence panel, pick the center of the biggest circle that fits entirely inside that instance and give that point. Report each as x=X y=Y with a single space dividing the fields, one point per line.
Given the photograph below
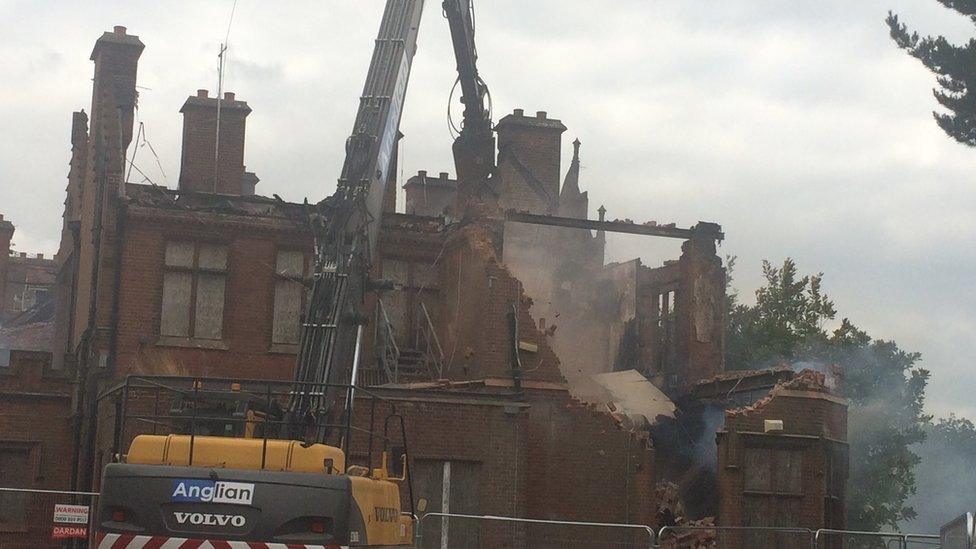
x=852 y=539
x=32 y=518
x=734 y=537
x=457 y=531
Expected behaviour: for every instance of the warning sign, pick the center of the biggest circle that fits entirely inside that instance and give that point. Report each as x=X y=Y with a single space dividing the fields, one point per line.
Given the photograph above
x=64 y=532
x=70 y=521
x=70 y=514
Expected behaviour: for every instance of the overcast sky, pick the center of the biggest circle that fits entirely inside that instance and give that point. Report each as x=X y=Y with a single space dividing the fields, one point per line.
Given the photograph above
x=796 y=125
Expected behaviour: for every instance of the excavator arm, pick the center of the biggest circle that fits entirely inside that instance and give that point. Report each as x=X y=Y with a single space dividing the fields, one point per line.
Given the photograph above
x=474 y=147
x=346 y=227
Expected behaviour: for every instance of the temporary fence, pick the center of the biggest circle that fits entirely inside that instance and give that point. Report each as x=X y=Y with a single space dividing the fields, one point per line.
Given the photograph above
x=455 y=530
x=733 y=537
x=853 y=539
x=31 y=518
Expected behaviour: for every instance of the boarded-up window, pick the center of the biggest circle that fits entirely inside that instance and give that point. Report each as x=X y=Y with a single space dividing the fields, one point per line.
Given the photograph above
x=773 y=470
x=288 y=296
x=773 y=485
x=193 y=290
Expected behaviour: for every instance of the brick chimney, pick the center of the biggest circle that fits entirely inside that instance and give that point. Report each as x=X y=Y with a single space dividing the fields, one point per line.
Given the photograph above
x=528 y=161
x=200 y=139
x=116 y=56
x=6 y=234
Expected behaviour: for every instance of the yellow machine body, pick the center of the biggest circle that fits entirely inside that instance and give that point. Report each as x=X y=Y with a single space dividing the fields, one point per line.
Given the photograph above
x=376 y=495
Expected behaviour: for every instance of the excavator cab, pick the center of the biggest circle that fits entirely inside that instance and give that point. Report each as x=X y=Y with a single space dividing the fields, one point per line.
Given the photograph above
x=221 y=413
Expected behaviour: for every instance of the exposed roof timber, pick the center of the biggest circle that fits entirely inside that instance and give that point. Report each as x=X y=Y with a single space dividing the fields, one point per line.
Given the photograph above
x=702 y=229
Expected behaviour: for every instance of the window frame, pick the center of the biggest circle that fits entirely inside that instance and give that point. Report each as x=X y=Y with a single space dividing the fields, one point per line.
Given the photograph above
x=276 y=277
x=195 y=271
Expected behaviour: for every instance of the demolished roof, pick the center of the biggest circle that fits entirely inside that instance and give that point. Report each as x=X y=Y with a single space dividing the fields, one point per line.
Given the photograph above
x=628 y=393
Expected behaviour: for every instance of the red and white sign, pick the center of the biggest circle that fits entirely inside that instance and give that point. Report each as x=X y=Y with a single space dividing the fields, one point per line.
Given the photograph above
x=65 y=532
x=70 y=521
x=70 y=514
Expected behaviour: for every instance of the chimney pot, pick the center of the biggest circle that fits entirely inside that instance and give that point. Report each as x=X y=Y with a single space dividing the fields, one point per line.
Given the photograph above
x=541 y=115
x=119 y=30
x=519 y=112
x=443 y=175
x=40 y=256
x=228 y=96
x=422 y=173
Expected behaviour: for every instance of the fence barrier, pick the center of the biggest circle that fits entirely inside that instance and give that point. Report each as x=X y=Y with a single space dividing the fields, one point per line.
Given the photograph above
x=853 y=539
x=521 y=538
x=741 y=537
x=32 y=518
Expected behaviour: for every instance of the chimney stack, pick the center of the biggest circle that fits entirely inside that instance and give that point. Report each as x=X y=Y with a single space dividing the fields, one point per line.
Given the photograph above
x=529 y=161
x=116 y=56
x=6 y=234
x=197 y=171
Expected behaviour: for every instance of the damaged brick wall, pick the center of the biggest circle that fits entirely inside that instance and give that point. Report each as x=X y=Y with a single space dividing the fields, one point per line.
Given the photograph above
x=701 y=306
x=545 y=456
x=478 y=293
x=789 y=476
x=584 y=467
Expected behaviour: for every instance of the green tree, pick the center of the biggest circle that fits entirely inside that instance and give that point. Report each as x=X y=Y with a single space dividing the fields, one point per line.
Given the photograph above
x=945 y=479
x=785 y=323
x=955 y=67
x=884 y=384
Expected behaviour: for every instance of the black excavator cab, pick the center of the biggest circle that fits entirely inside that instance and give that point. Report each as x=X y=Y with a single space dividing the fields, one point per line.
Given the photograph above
x=222 y=413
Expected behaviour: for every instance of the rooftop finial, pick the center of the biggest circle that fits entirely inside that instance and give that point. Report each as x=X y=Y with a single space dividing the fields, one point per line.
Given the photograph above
x=576 y=146
x=603 y=212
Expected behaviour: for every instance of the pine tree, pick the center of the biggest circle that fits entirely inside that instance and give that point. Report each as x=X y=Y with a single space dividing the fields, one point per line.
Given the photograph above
x=955 y=67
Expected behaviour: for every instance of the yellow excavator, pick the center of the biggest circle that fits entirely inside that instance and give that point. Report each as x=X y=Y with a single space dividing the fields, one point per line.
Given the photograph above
x=253 y=463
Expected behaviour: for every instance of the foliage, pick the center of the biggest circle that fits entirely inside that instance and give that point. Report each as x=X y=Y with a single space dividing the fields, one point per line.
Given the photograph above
x=786 y=322
x=885 y=386
x=945 y=477
x=955 y=67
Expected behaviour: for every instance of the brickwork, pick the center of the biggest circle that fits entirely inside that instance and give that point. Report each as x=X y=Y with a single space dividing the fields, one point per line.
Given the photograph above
x=197 y=171
x=116 y=55
x=532 y=451
x=700 y=324
x=793 y=477
x=477 y=339
x=528 y=162
x=29 y=283
x=35 y=429
x=583 y=467
x=246 y=348
x=430 y=196
x=6 y=234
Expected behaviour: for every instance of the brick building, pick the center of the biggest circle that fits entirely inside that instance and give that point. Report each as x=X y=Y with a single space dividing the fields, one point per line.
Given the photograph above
x=783 y=462
x=209 y=280
x=26 y=281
